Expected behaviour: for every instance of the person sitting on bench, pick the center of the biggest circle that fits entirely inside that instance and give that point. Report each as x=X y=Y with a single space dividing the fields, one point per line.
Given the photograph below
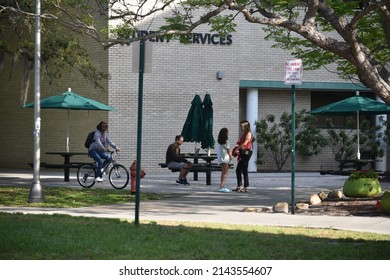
x=174 y=160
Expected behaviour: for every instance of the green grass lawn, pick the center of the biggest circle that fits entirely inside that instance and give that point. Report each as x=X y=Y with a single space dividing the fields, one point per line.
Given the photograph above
x=62 y=237
x=71 y=197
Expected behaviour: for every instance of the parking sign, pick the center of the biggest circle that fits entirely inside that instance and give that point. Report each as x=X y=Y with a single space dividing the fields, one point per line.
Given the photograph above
x=293 y=72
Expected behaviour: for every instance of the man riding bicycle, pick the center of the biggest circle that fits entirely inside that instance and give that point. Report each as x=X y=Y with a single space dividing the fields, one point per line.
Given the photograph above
x=98 y=151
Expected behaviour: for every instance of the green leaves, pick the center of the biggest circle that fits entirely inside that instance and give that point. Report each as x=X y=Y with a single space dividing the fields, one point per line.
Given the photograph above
x=123 y=31
x=343 y=142
x=61 y=50
x=275 y=136
x=223 y=24
x=363 y=174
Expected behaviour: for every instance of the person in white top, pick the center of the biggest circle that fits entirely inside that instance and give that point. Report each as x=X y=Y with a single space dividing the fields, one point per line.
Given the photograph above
x=224 y=157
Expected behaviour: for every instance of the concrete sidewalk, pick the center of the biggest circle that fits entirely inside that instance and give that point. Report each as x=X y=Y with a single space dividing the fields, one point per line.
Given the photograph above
x=201 y=203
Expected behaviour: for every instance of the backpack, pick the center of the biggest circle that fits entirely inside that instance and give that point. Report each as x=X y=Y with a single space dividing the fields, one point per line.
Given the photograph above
x=89 y=139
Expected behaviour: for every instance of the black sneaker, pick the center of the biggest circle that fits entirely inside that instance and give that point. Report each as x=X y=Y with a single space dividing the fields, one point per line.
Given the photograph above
x=185 y=181
x=180 y=182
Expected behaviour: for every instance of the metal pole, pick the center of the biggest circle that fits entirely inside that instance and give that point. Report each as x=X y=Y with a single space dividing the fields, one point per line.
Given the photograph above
x=36 y=190
x=358 y=132
x=293 y=151
x=139 y=130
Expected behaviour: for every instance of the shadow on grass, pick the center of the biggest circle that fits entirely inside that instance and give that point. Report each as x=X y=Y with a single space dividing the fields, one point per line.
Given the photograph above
x=62 y=237
x=72 y=198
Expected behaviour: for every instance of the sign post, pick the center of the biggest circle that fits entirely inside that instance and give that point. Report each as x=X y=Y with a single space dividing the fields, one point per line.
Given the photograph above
x=142 y=55
x=293 y=77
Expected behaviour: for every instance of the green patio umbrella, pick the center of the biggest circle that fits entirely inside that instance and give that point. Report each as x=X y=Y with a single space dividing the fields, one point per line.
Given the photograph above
x=71 y=101
x=358 y=105
x=208 y=141
x=193 y=126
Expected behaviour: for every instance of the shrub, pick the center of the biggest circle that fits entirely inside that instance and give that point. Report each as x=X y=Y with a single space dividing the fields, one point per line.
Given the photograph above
x=362 y=184
x=370 y=174
x=275 y=136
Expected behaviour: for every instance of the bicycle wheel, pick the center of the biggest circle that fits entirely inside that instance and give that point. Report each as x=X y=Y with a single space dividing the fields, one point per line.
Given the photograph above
x=86 y=175
x=118 y=176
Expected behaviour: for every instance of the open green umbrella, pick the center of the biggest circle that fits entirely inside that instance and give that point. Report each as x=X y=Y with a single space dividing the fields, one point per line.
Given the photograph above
x=71 y=101
x=208 y=141
x=358 y=105
x=193 y=126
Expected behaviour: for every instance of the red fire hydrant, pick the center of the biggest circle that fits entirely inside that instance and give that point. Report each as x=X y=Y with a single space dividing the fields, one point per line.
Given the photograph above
x=133 y=174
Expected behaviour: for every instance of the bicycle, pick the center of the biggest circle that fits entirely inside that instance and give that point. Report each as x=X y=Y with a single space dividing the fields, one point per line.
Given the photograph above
x=118 y=174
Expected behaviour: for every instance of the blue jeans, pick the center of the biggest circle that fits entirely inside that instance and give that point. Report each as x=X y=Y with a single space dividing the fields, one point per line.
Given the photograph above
x=101 y=157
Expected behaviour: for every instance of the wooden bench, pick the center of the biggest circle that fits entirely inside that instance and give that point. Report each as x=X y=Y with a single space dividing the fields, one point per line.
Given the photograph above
x=200 y=167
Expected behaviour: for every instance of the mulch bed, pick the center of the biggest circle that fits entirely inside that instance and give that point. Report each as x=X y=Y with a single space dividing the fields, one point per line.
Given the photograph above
x=345 y=207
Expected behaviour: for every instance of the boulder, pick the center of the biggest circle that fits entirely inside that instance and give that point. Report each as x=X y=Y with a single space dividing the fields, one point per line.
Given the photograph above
x=280 y=207
x=314 y=199
x=302 y=206
x=251 y=209
x=335 y=194
x=322 y=196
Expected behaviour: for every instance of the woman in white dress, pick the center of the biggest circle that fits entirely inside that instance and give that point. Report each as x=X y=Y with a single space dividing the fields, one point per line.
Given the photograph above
x=224 y=157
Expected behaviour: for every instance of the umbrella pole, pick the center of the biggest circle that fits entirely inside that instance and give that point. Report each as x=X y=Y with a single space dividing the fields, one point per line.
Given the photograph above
x=358 y=136
x=67 y=135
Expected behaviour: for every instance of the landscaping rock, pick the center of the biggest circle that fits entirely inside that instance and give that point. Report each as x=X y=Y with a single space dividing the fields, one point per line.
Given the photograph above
x=251 y=209
x=322 y=196
x=280 y=207
x=302 y=206
x=314 y=199
x=335 y=194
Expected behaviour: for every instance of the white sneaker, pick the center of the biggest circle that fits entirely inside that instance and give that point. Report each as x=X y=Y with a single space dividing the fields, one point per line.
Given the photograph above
x=99 y=180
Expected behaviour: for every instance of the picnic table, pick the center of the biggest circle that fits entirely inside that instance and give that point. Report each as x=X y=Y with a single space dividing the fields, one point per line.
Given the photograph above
x=357 y=164
x=208 y=166
x=347 y=166
x=67 y=163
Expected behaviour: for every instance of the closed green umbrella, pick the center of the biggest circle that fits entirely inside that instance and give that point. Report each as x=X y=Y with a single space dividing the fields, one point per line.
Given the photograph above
x=71 y=101
x=193 y=126
x=358 y=105
x=208 y=141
